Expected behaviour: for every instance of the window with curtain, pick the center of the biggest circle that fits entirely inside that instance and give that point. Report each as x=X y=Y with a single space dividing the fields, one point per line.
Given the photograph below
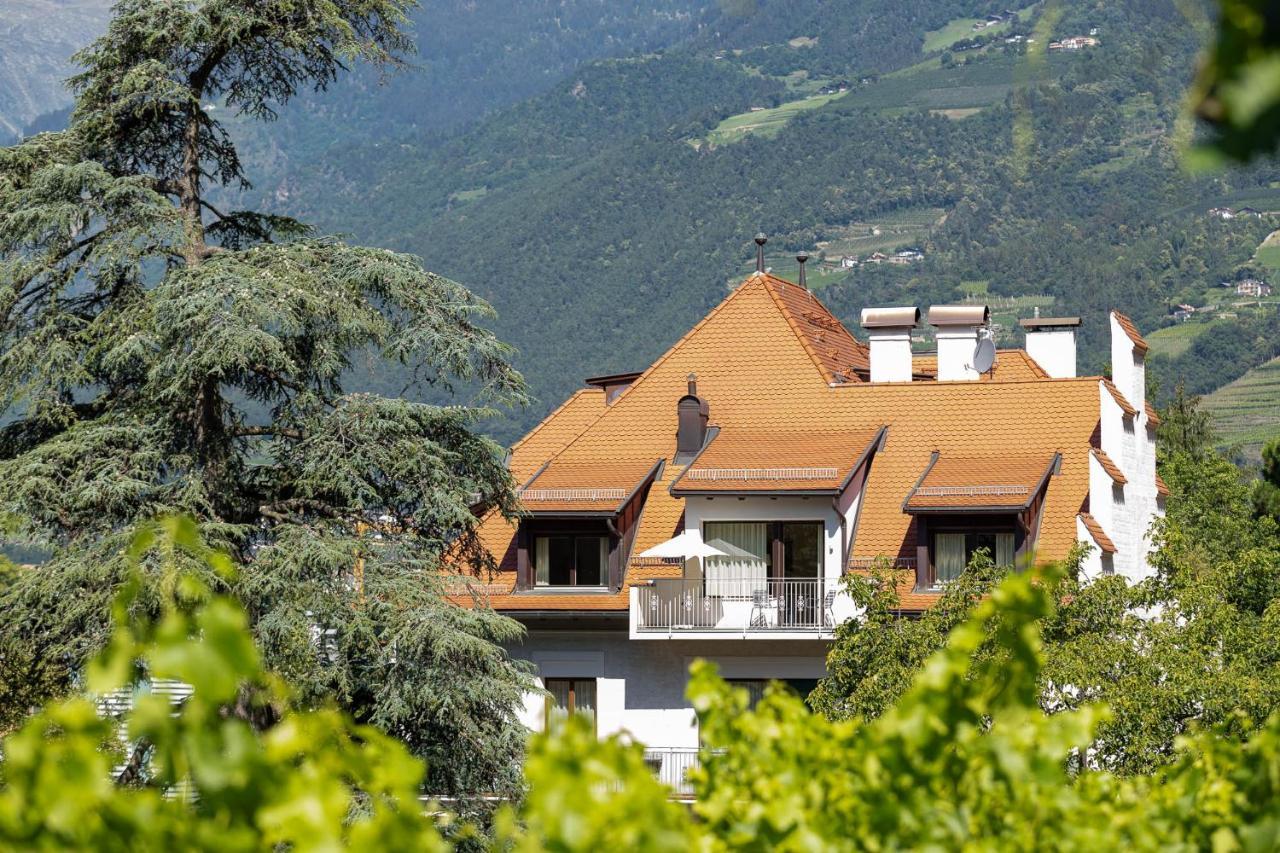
x=571 y=560
x=953 y=551
x=754 y=687
x=570 y=696
x=746 y=569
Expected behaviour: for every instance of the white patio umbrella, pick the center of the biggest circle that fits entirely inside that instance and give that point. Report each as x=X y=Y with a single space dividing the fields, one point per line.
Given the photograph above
x=688 y=546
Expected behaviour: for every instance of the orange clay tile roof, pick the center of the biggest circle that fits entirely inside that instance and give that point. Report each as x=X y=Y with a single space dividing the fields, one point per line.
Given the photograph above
x=909 y=598
x=1139 y=343
x=556 y=430
x=1161 y=489
x=596 y=486
x=1152 y=418
x=1099 y=535
x=968 y=483
x=837 y=353
x=757 y=370
x=1112 y=469
x=1119 y=398
x=1011 y=365
x=752 y=461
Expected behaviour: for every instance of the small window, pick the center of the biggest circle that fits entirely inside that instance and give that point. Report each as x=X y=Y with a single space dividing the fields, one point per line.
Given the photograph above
x=570 y=560
x=755 y=688
x=570 y=696
x=952 y=552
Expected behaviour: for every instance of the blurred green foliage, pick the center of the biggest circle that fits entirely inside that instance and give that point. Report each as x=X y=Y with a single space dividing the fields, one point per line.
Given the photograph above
x=964 y=759
x=1238 y=87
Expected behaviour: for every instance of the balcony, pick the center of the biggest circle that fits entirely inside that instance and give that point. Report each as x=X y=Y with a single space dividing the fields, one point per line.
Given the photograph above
x=671 y=766
x=756 y=607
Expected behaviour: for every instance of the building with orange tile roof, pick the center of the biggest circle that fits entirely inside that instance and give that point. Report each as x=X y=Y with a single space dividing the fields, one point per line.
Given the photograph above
x=761 y=433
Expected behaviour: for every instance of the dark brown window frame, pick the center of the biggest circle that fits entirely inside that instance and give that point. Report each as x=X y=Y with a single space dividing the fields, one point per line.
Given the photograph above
x=574 y=533
x=572 y=709
x=929 y=525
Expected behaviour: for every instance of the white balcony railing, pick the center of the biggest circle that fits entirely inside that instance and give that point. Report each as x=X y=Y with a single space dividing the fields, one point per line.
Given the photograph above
x=671 y=766
x=739 y=605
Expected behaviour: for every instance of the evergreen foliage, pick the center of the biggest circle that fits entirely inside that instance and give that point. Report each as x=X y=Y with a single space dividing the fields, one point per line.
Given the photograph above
x=164 y=356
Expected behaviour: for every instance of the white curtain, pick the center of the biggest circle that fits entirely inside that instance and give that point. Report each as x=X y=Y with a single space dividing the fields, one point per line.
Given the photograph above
x=1004 y=549
x=542 y=561
x=949 y=560
x=746 y=568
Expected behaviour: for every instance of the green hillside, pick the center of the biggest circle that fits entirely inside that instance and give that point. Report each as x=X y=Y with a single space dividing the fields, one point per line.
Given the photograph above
x=1245 y=411
x=600 y=233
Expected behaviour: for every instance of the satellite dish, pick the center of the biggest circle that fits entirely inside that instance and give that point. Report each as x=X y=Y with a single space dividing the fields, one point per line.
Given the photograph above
x=984 y=355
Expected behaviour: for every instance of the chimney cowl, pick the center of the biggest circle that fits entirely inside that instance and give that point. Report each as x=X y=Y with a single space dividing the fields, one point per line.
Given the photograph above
x=692 y=413
x=890 y=318
x=959 y=315
x=1039 y=323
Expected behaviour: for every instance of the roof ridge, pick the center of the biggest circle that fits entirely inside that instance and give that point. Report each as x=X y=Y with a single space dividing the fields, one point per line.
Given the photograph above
x=552 y=414
x=1120 y=398
x=1099 y=535
x=1031 y=361
x=1131 y=330
x=795 y=329
x=974 y=383
x=769 y=280
x=1108 y=464
x=734 y=294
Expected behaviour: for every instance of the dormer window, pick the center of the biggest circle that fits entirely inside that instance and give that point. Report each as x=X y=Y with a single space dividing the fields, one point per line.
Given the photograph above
x=571 y=558
x=954 y=550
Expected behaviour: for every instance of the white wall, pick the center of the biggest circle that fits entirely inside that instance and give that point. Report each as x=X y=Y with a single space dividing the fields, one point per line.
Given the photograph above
x=1126 y=514
x=956 y=346
x=1054 y=350
x=640 y=687
x=1128 y=367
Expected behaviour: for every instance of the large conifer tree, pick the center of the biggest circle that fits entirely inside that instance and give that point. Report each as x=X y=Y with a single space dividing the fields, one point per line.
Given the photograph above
x=160 y=355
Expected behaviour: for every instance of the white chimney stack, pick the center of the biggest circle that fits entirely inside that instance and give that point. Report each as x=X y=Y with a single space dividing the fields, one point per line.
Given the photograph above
x=957 y=334
x=1051 y=341
x=889 y=330
x=1128 y=359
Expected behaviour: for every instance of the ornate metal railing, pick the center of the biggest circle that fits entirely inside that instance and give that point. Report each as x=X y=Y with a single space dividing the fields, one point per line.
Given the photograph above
x=737 y=604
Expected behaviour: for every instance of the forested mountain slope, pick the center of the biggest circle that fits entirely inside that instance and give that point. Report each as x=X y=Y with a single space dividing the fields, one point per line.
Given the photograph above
x=37 y=38
x=605 y=216
x=597 y=169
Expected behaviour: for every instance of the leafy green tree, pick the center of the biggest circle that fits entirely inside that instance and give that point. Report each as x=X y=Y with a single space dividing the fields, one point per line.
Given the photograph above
x=1266 y=492
x=964 y=758
x=162 y=355
x=874 y=659
x=1184 y=426
x=1195 y=645
x=315 y=780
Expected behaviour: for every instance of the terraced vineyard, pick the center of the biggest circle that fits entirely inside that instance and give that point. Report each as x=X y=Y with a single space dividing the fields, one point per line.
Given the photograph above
x=1245 y=410
x=898 y=228
x=764 y=122
x=930 y=86
x=1173 y=341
